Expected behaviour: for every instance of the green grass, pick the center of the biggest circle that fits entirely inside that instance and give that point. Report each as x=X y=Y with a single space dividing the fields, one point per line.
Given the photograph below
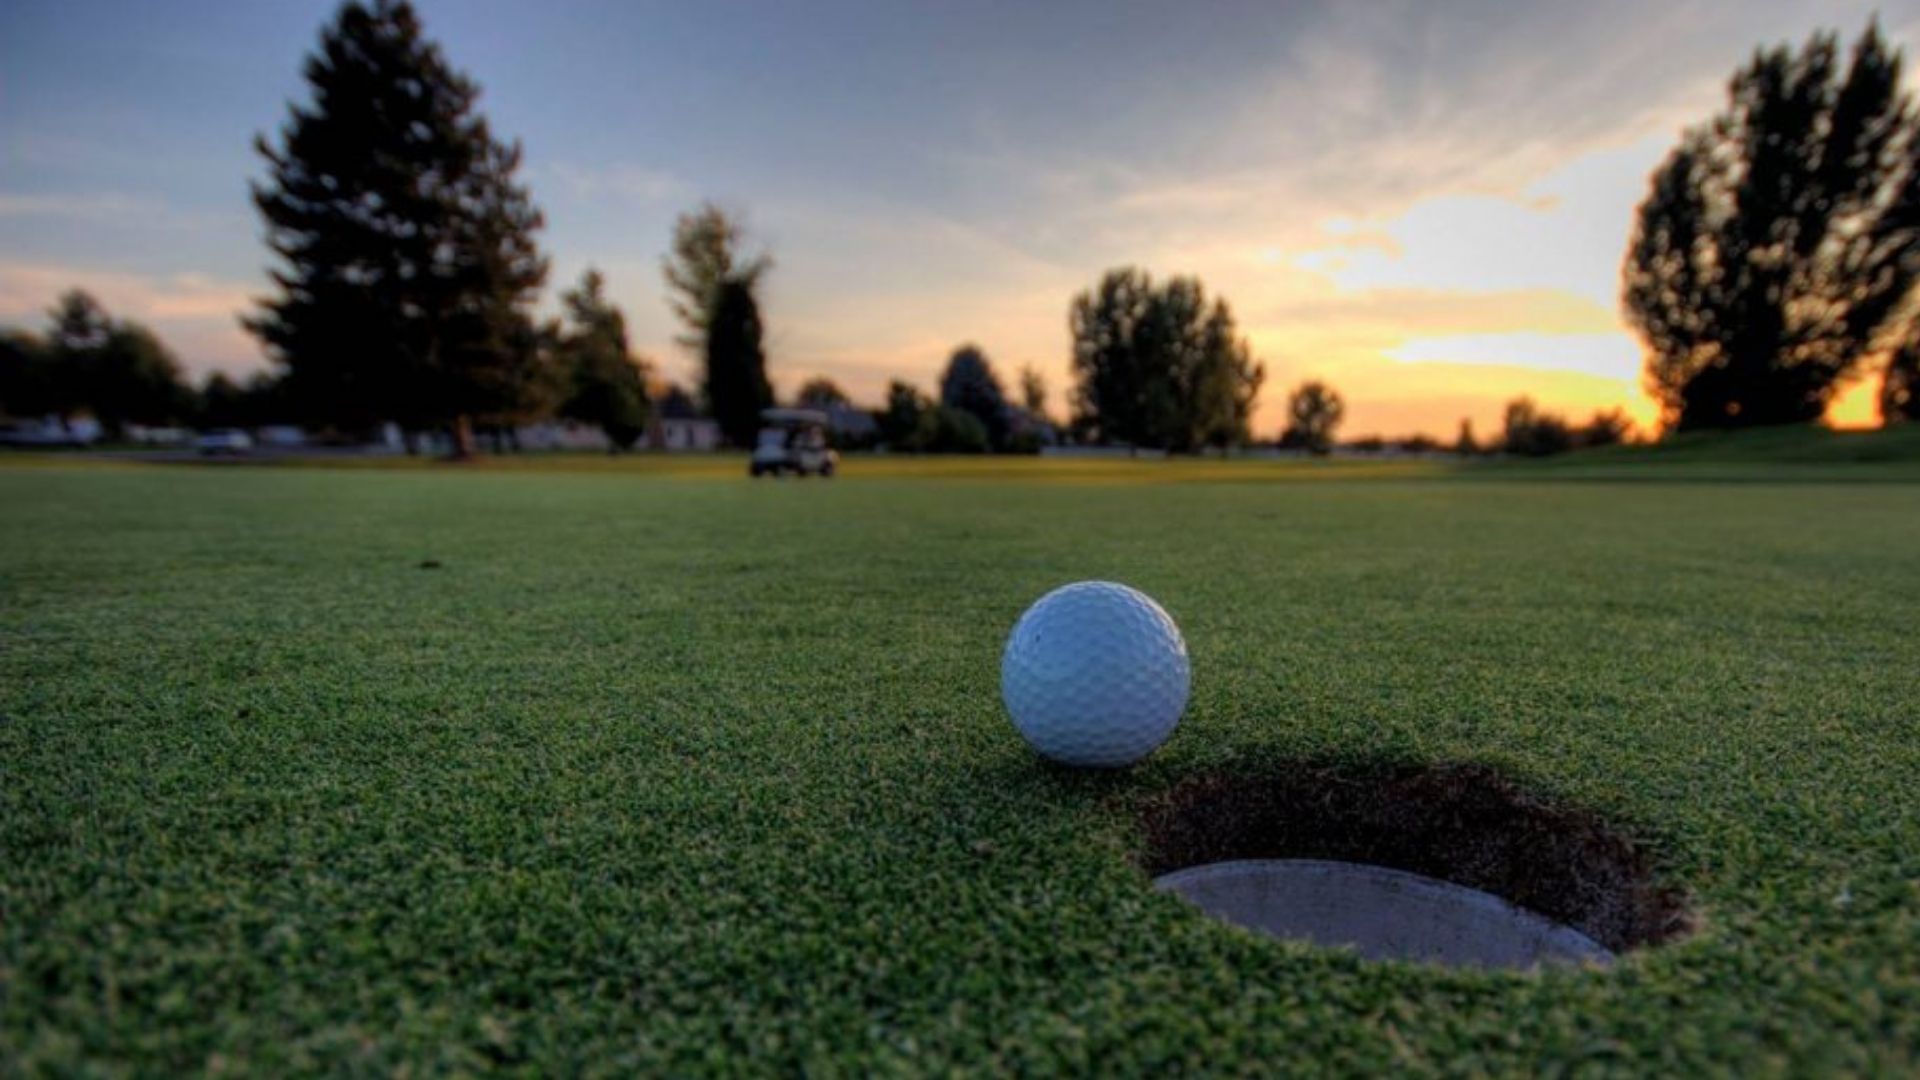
x=660 y=772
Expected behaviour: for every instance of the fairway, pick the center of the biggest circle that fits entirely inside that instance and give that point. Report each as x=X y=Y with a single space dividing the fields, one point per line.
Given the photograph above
x=637 y=770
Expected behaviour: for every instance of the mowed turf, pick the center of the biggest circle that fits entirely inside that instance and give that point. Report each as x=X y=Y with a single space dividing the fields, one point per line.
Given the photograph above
x=627 y=771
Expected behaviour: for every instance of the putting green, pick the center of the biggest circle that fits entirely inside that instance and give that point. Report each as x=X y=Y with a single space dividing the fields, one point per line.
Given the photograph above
x=621 y=768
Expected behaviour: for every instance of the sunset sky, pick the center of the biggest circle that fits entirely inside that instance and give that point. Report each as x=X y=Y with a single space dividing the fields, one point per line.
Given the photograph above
x=1423 y=203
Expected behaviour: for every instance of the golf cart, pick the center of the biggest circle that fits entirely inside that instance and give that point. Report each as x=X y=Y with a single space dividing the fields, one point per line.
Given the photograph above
x=792 y=441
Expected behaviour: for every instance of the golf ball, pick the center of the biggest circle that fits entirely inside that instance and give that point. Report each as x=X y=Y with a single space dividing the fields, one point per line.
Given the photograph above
x=1095 y=674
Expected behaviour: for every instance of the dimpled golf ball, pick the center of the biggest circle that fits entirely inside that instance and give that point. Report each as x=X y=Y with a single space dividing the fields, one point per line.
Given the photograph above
x=1095 y=675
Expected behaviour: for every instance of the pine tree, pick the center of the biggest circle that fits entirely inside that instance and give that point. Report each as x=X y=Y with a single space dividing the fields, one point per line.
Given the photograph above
x=706 y=256
x=407 y=248
x=1780 y=240
x=736 y=369
x=608 y=385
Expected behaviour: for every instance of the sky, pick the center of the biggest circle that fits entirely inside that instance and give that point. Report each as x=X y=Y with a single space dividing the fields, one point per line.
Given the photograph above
x=1423 y=204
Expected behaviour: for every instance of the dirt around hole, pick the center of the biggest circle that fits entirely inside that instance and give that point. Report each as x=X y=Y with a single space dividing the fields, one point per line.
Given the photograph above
x=1464 y=823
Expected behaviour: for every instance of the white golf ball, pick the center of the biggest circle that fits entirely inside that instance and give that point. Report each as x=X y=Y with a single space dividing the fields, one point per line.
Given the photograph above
x=1095 y=674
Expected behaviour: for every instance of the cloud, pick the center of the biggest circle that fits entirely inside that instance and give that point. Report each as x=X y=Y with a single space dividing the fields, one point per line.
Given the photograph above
x=618 y=181
x=1609 y=356
x=109 y=209
x=95 y=207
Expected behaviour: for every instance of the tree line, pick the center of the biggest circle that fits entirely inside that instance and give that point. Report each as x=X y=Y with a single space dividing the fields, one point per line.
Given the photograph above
x=87 y=361
x=1772 y=261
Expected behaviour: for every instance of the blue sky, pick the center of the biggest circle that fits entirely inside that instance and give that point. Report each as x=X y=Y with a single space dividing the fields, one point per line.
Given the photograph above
x=1424 y=203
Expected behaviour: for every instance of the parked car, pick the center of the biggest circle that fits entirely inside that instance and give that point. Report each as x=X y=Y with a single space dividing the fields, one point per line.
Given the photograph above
x=793 y=441
x=224 y=441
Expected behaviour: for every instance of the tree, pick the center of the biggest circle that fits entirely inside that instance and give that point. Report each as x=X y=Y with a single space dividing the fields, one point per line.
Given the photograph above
x=78 y=325
x=736 y=387
x=1033 y=392
x=606 y=383
x=28 y=384
x=821 y=392
x=1314 y=411
x=221 y=402
x=1464 y=444
x=135 y=379
x=529 y=387
x=900 y=421
x=1900 y=387
x=705 y=257
x=1779 y=240
x=947 y=429
x=1607 y=428
x=677 y=404
x=1533 y=433
x=407 y=248
x=117 y=369
x=1160 y=366
x=970 y=385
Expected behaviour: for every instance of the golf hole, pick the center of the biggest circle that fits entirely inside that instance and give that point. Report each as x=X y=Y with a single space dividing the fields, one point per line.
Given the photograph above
x=1454 y=865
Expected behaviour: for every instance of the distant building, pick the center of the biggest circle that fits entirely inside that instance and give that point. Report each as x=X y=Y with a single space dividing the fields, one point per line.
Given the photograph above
x=851 y=426
x=678 y=427
x=157 y=435
x=562 y=435
x=684 y=434
x=1023 y=424
x=50 y=431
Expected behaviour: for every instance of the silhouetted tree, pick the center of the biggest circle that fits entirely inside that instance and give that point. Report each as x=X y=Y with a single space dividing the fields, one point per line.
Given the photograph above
x=705 y=256
x=821 y=392
x=529 y=389
x=607 y=384
x=736 y=387
x=260 y=400
x=1314 y=412
x=676 y=403
x=1159 y=366
x=78 y=327
x=1900 y=387
x=1533 y=433
x=29 y=382
x=1033 y=392
x=408 y=251
x=970 y=385
x=1608 y=428
x=947 y=429
x=222 y=403
x=1779 y=239
x=117 y=369
x=135 y=379
x=900 y=421
x=1464 y=444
